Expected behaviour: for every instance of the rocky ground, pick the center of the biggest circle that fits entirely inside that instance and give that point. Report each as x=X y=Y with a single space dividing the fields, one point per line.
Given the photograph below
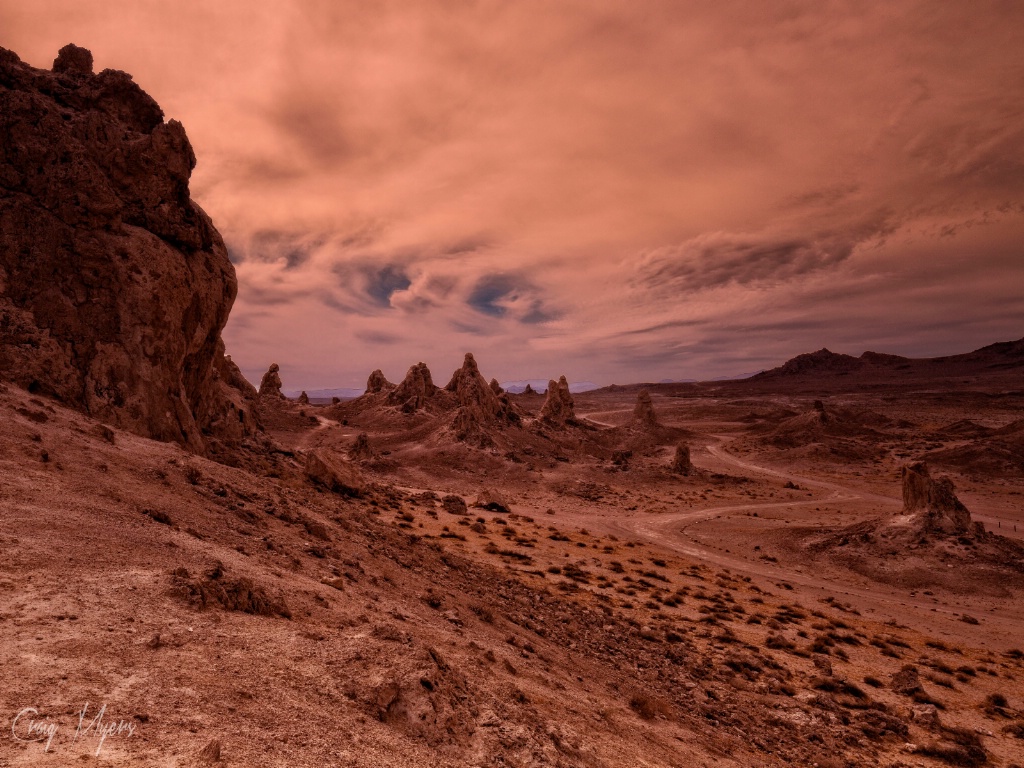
x=603 y=609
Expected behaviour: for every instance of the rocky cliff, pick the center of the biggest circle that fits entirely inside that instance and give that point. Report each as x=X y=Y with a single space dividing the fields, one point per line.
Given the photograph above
x=114 y=284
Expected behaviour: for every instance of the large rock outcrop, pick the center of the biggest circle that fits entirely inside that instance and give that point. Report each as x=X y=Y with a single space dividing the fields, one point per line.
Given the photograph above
x=479 y=407
x=378 y=383
x=270 y=384
x=934 y=506
x=416 y=388
x=559 y=407
x=114 y=285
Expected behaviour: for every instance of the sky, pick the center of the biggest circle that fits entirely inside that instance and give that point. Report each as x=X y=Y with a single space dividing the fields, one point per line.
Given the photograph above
x=614 y=191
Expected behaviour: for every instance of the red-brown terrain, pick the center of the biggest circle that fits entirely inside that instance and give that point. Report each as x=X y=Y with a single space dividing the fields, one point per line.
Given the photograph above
x=746 y=573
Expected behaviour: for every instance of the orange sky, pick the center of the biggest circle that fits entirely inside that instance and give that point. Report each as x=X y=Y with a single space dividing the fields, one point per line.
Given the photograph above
x=616 y=191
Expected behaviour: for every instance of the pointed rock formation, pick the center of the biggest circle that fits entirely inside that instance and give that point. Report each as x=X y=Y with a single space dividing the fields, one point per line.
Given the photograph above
x=932 y=503
x=643 y=414
x=416 y=388
x=479 y=406
x=270 y=385
x=304 y=398
x=377 y=383
x=471 y=389
x=681 y=461
x=361 y=448
x=529 y=390
x=496 y=387
x=114 y=285
x=558 y=407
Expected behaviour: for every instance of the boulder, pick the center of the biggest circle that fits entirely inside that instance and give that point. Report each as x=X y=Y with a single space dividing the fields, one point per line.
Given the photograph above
x=416 y=388
x=681 y=461
x=333 y=473
x=492 y=500
x=559 y=407
x=270 y=385
x=454 y=505
x=114 y=284
x=378 y=383
x=932 y=503
x=643 y=413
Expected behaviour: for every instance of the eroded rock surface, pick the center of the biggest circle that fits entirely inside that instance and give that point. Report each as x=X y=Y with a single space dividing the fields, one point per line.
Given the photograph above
x=558 y=407
x=416 y=388
x=114 y=285
x=270 y=385
x=681 y=460
x=932 y=502
x=378 y=383
x=643 y=412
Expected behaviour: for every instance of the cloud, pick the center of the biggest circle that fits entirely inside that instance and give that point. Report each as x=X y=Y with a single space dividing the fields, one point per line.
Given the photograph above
x=512 y=296
x=612 y=191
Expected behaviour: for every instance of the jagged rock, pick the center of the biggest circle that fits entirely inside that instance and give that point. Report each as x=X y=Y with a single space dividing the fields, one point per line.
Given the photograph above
x=529 y=390
x=492 y=500
x=270 y=385
x=74 y=60
x=303 y=398
x=496 y=387
x=480 y=408
x=471 y=389
x=416 y=388
x=215 y=590
x=377 y=382
x=643 y=413
x=468 y=426
x=236 y=416
x=935 y=507
x=333 y=473
x=681 y=460
x=114 y=285
x=559 y=407
x=361 y=448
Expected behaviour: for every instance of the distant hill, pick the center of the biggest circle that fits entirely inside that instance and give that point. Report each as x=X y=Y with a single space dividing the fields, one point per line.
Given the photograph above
x=1002 y=356
x=316 y=395
x=541 y=386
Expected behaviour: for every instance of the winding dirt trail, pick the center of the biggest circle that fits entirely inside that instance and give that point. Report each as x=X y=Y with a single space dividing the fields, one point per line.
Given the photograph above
x=670 y=531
